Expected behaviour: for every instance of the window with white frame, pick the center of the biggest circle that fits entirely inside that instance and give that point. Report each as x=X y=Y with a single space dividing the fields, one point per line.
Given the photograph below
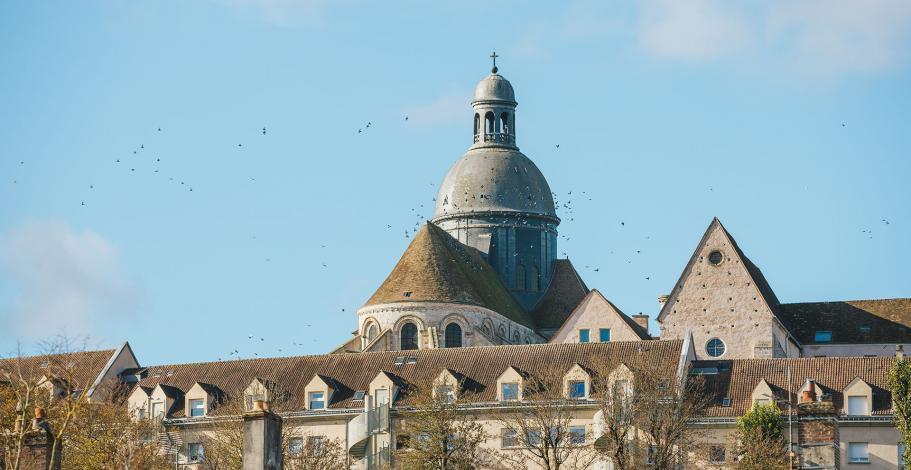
x=858 y=453
x=576 y=389
x=577 y=435
x=584 y=336
x=195 y=452
x=197 y=407
x=446 y=394
x=509 y=391
x=509 y=438
x=296 y=446
x=857 y=405
x=316 y=445
x=157 y=410
x=317 y=400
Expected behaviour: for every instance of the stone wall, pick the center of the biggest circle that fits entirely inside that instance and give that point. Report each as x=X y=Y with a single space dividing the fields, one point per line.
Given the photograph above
x=720 y=301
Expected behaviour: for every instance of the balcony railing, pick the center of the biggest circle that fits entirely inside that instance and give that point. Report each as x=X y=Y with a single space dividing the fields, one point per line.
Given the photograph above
x=496 y=137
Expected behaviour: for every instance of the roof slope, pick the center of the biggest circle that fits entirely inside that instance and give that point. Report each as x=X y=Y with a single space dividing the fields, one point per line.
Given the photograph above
x=759 y=280
x=437 y=268
x=84 y=366
x=563 y=295
x=738 y=378
x=481 y=366
x=883 y=321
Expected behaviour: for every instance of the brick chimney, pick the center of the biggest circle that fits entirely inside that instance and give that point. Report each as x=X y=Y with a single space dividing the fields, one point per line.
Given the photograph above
x=262 y=438
x=642 y=320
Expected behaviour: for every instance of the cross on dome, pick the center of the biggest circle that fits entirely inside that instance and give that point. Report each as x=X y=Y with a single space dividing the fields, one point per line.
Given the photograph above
x=494 y=57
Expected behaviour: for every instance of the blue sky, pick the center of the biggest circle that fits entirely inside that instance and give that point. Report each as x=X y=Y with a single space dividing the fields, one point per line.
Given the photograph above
x=787 y=120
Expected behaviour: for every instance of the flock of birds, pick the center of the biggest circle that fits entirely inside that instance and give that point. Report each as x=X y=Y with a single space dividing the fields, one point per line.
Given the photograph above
x=144 y=159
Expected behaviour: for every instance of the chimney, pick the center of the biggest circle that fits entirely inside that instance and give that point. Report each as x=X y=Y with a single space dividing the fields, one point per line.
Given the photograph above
x=642 y=320
x=662 y=299
x=899 y=351
x=262 y=439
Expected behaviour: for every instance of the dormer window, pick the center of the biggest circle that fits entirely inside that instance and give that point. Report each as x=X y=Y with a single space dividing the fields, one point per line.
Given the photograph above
x=197 y=407
x=446 y=394
x=857 y=405
x=509 y=391
x=317 y=400
x=823 y=337
x=576 y=389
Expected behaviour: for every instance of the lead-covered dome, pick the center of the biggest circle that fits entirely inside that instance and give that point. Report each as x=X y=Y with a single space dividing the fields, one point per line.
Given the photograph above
x=494 y=88
x=494 y=180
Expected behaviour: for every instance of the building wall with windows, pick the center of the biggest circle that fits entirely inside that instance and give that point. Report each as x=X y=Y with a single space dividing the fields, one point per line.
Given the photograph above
x=594 y=314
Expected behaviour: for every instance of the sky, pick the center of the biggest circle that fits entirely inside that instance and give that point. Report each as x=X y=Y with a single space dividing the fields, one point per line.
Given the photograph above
x=189 y=176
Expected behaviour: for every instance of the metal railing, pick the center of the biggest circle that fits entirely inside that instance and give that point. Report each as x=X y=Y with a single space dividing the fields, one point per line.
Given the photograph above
x=495 y=137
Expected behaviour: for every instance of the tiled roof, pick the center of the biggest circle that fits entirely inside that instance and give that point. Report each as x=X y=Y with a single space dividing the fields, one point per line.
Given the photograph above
x=738 y=378
x=481 y=366
x=564 y=293
x=437 y=268
x=86 y=366
x=852 y=321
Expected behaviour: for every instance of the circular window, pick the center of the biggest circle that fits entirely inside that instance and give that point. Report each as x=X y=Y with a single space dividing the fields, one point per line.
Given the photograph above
x=715 y=258
x=715 y=347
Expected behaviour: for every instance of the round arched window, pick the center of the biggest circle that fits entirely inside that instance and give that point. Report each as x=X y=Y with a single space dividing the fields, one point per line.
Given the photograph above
x=715 y=258
x=371 y=332
x=409 y=336
x=715 y=347
x=453 y=336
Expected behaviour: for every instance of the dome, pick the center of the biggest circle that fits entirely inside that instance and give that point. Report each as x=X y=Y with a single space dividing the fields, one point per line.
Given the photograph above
x=494 y=179
x=494 y=88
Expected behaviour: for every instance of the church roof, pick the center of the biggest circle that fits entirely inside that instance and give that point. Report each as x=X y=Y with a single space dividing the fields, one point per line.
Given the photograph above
x=494 y=180
x=494 y=87
x=564 y=293
x=437 y=268
x=851 y=321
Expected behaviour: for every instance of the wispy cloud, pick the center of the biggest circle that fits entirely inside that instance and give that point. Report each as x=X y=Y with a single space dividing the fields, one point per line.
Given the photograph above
x=447 y=109
x=819 y=37
x=692 y=30
x=65 y=280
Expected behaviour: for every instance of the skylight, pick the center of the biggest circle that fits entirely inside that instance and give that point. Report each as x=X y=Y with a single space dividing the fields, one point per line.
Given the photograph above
x=823 y=337
x=399 y=361
x=359 y=395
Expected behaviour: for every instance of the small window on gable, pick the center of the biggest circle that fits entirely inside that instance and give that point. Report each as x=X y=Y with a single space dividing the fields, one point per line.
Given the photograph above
x=446 y=394
x=823 y=337
x=857 y=405
x=317 y=400
x=197 y=407
x=576 y=389
x=604 y=335
x=509 y=391
x=583 y=336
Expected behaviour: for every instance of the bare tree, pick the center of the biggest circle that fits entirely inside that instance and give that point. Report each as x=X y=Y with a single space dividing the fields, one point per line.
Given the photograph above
x=441 y=434
x=541 y=427
x=309 y=451
x=646 y=413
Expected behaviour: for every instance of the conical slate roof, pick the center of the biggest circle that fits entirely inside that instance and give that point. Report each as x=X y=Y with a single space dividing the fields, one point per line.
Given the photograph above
x=437 y=268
